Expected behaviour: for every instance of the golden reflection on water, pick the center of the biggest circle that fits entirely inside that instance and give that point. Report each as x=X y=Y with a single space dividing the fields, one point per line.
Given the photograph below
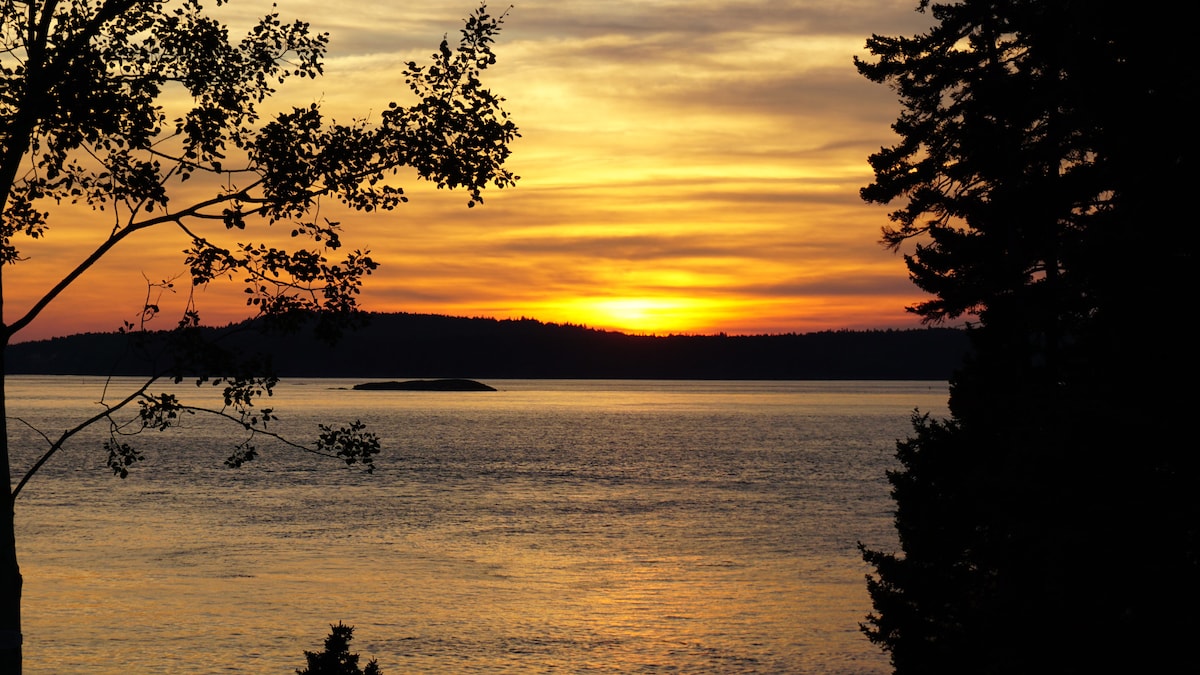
x=543 y=560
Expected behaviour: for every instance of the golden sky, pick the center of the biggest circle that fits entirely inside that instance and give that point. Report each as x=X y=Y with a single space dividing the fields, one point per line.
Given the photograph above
x=686 y=167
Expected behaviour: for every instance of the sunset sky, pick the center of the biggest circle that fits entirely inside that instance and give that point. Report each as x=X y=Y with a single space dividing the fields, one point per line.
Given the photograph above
x=686 y=167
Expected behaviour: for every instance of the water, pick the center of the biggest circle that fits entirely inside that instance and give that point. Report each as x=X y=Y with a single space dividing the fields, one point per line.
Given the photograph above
x=552 y=526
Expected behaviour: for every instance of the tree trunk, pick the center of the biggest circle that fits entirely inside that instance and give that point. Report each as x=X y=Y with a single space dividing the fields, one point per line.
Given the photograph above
x=10 y=571
x=10 y=588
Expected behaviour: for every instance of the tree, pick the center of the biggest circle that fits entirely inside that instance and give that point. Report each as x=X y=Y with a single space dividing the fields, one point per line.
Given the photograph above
x=87 y=91
x=337 y=659
x=1049 y=524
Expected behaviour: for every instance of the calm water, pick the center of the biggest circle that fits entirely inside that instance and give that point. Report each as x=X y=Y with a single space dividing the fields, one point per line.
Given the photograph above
x=552 y=526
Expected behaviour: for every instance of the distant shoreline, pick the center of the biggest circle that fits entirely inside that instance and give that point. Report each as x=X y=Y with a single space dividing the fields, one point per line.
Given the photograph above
x=423 y=346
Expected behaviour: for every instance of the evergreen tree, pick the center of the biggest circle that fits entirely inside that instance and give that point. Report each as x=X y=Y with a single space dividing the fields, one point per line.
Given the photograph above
x=337 y=659
x=1049 y=525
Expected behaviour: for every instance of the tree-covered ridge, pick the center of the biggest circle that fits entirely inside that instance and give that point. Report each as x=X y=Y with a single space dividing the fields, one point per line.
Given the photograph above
x=416 y=345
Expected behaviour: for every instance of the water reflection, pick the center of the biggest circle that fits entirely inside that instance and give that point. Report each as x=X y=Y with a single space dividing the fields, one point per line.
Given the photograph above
x=703 y=527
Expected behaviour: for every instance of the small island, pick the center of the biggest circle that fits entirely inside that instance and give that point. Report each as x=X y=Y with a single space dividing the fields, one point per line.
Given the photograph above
x=453 y=384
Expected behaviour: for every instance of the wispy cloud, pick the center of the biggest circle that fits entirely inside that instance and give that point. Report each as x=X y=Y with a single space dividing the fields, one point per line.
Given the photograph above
x=692 y=163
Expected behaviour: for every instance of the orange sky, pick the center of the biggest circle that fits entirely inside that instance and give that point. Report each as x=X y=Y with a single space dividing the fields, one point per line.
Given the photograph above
x=687 y=166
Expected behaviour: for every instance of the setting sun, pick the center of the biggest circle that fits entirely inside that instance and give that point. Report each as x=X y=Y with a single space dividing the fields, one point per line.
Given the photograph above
x=644 y=315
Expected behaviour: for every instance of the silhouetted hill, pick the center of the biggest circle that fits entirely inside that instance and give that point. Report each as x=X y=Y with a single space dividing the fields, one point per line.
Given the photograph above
x=423 y=345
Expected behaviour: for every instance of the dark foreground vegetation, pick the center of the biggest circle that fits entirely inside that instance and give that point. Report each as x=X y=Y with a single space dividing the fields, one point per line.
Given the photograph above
x=113 y=105
x=336 y=659
x=416 y=345
x=1051 y=525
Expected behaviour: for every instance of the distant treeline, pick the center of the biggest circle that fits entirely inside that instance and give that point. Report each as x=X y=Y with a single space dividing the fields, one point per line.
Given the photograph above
x=423 y=345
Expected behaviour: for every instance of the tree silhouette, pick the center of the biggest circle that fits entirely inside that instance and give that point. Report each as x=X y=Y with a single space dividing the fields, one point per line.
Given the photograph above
x=337 y=659
x=1049 y=525
x=115 y=104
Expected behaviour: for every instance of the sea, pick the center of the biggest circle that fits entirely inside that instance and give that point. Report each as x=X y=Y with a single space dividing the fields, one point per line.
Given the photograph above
x=551 y=526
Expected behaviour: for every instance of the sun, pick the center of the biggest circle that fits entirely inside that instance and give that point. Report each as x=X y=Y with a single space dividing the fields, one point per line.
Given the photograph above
x=643 y=315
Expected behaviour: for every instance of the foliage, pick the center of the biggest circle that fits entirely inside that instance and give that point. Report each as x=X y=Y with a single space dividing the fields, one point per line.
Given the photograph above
x=148 y=114
x=337 y=659
x=1046 y=527
x=84 y=100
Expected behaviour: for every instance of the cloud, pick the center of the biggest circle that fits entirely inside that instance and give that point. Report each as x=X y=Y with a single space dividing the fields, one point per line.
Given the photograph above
x=696 y=156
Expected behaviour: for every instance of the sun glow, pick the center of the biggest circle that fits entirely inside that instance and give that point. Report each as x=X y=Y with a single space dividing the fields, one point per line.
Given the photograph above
x=639 y=315
x=642 y=314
